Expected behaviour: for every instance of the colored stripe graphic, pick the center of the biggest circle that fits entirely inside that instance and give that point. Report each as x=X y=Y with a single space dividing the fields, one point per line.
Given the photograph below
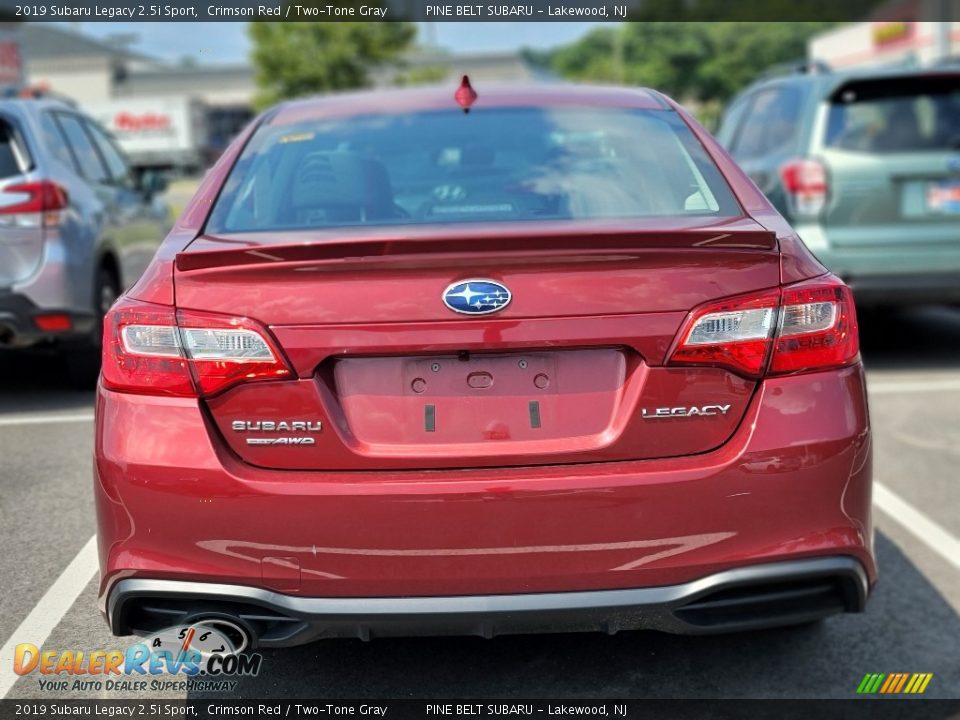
x=892 y=679
x=903 y=681
x=870 y=683
x=919 y=682
x=894 y=683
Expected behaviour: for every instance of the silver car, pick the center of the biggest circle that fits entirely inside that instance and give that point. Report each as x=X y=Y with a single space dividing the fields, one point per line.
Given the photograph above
x=77 y=226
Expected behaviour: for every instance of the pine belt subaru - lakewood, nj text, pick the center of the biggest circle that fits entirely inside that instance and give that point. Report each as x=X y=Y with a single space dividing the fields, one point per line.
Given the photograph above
x=514 y=360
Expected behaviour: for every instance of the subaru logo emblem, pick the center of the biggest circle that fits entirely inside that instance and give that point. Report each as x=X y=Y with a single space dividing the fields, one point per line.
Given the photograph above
x=953 y=163
x=476 y=297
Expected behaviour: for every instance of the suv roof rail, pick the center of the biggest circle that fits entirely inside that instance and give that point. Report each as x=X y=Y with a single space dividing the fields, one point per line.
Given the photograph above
x=796 y=67
x=36 y=92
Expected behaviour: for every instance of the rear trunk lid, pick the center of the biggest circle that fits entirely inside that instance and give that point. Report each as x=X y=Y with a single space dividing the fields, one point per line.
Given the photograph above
x=388 y=377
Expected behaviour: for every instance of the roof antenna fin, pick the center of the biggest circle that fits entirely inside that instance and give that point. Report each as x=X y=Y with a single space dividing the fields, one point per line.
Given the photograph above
x=465 y=95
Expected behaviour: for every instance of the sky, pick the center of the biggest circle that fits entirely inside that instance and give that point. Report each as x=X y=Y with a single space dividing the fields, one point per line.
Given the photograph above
x=229 y=43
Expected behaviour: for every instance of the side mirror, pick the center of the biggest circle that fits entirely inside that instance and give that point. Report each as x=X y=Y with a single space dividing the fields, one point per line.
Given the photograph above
x=152 y=183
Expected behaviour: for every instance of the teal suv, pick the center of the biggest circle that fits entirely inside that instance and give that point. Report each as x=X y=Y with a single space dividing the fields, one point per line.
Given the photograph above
x=866 y=166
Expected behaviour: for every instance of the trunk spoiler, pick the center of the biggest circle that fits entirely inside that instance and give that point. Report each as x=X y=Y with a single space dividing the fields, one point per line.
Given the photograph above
x=350 y=246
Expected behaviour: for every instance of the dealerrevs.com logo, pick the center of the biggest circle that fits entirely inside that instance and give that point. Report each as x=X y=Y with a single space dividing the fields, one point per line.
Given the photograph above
x=184 y=657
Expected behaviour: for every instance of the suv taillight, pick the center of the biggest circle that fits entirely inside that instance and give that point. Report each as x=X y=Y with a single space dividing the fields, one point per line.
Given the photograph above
x=805 y=182
x=40 y=206
x=157 y=350
x=808 y=326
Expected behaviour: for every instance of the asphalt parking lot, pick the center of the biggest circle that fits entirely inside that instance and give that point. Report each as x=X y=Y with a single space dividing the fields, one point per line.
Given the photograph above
x=48 y=595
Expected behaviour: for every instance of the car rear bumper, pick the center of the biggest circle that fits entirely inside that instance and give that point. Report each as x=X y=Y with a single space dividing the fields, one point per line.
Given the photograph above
x=905 y=289
x=748 y=598
x=889 y=265
x=175 y=504
x=18 y=326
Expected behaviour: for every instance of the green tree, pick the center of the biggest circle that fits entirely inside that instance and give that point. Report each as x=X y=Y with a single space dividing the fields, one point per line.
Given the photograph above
x=742 y=51
x=423 y=75
x=704 y=62
x=300 y=58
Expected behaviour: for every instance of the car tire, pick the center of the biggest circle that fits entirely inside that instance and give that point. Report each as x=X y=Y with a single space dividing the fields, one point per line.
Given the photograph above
x=81 y=358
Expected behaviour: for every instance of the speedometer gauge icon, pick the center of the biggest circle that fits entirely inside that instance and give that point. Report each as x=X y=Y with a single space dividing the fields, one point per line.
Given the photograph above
x=211 y=636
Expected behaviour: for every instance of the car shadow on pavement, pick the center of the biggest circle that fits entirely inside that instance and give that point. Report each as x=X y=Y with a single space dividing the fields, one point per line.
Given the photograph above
x=35 y=380
x=919 y=338
x=908 y=627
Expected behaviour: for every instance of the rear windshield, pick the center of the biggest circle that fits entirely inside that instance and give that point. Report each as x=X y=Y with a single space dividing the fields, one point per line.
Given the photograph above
x=899 y=115
x=491 y=165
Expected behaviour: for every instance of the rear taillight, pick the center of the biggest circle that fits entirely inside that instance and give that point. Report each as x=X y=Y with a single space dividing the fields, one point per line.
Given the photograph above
x=817 y=328
x=808 y=326
x=156 y=350
x=41 y=204
x=733 y=333
x=806 y=186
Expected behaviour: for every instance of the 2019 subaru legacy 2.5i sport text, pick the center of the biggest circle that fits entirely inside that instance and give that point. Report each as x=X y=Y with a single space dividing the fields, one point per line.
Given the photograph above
x=554 y=363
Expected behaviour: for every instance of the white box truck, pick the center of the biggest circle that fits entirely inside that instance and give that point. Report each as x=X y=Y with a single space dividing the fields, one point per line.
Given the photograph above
x=157 y=133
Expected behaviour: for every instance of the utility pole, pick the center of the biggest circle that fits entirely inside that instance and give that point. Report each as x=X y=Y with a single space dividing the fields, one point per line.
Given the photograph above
x=943 y=29
x=430 y=36
x=619 y=65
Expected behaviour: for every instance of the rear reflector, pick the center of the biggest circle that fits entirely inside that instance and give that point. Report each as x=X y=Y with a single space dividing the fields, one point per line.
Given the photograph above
x=55 y=322
x=155 y=350
x=808 y=326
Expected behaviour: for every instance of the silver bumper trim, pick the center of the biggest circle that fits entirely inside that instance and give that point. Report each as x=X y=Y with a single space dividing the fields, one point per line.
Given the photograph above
x=668 y=608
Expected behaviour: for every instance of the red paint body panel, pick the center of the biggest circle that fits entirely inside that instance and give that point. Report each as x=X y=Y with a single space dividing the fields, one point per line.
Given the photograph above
x=793 y=481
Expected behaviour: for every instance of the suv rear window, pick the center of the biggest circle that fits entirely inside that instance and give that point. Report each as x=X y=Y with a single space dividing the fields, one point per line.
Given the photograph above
x=493 y=164
x=896 y=115
x=13 y=156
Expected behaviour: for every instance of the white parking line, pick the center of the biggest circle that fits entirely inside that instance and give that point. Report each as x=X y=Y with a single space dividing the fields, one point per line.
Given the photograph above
x=48 y=613
x=16 y=420
x=892 y=387
x=919 y=525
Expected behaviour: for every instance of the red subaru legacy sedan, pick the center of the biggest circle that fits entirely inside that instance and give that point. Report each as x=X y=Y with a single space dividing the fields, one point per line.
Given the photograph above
x=552 y=363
